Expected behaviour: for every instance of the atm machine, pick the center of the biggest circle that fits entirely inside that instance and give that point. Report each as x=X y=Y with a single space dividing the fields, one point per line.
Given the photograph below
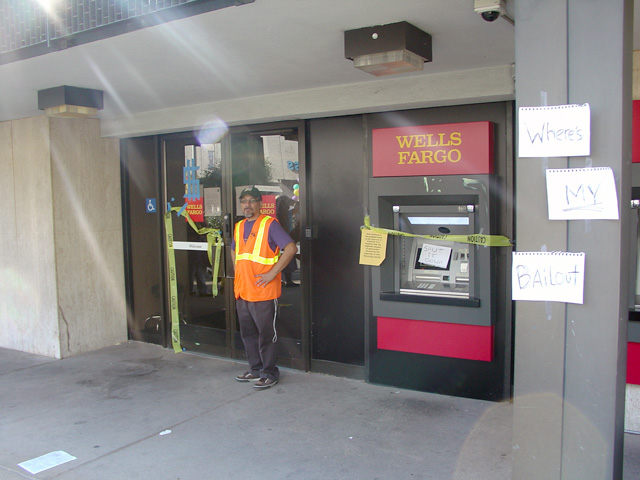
x=439 y=308
x=440 y=312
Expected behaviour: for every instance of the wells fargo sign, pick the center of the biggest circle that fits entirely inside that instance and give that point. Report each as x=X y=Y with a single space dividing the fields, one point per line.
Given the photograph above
x=448 y=149
x=195 y=209
x=268 y=205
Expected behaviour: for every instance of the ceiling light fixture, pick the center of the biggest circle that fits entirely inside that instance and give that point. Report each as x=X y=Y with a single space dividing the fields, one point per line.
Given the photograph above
x=388 y=49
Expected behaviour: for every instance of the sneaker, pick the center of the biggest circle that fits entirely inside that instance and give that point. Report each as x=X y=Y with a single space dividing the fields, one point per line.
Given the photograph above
x=247 y=377
x=264 y=383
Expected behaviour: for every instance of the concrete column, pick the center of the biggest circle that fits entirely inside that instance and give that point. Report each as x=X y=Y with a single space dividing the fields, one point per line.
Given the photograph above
x=61 y=234
x=28 y=289
x=87 y=219
x=570 y=359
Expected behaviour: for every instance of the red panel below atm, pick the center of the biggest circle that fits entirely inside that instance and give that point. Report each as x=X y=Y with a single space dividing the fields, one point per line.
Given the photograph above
x=635 y=137
x=633 y=363
x=471 y=342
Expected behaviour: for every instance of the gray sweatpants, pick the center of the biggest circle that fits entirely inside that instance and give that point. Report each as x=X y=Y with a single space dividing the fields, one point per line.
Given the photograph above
x=257 y=329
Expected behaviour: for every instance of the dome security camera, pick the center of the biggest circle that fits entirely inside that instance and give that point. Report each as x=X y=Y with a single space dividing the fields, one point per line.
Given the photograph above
x=490 y=10
x=490 y=16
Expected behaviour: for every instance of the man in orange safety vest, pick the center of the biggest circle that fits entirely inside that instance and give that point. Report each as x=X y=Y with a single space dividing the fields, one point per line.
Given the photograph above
x=261 y=249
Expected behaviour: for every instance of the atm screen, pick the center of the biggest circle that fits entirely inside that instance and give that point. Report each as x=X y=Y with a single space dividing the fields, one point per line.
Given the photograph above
x=439 y=220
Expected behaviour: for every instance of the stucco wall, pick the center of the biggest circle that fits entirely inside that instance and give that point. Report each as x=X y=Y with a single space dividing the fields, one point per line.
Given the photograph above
x=60 y=227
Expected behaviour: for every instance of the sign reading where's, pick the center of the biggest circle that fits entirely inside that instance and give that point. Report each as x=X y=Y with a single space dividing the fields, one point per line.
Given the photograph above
x=554 y=131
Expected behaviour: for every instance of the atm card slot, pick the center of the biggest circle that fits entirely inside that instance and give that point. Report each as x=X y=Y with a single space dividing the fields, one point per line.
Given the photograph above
x=427 y=278
x=434 y=293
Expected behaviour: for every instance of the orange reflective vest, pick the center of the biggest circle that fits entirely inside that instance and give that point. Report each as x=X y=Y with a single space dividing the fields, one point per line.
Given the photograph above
x=253 y=257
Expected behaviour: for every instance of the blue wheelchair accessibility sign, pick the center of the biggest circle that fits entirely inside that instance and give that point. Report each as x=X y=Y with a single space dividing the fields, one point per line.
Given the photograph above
x=151 y=205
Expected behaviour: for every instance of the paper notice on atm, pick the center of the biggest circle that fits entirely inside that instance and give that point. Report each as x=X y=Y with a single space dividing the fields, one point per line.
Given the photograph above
x=373 y=247
x=435 y=255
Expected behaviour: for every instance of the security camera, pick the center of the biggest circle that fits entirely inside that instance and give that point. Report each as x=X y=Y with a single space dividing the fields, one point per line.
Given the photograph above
x=490 y=9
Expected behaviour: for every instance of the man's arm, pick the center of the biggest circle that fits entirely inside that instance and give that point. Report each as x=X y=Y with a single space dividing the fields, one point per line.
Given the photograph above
x=288 y=252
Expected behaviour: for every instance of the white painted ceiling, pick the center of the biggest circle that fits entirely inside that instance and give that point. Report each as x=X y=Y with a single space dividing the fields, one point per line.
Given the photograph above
x=269 y=46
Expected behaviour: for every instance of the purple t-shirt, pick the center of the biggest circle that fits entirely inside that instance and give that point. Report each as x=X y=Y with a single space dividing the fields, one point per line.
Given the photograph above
x=277 y=236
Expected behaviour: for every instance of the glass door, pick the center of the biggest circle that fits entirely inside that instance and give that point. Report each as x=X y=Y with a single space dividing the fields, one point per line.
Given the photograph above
x=270 y=160
x=194 y=182
x=206 y=179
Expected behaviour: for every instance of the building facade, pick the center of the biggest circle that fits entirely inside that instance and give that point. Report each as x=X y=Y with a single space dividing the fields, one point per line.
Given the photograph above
x=86 y=243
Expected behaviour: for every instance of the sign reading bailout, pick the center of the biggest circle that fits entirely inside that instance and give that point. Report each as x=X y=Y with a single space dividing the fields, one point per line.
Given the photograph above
x=548 y=276
x=555 y=131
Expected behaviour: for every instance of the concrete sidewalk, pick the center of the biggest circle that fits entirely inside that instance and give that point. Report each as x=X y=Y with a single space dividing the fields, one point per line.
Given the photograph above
x=138 y=411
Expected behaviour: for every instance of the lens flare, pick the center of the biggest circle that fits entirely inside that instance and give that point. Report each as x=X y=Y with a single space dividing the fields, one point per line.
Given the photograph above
x=47 y=5
x=212 y=131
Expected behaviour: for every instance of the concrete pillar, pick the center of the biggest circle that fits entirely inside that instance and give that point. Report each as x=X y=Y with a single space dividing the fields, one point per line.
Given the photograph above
x=61 y=234
x=28 y=289
x=569 y=370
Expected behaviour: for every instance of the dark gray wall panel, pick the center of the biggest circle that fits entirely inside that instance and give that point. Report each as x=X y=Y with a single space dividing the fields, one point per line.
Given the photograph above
x=336 y=181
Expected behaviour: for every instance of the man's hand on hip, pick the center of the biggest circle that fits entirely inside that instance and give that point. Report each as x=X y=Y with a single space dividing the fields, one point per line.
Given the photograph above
x=263 y=279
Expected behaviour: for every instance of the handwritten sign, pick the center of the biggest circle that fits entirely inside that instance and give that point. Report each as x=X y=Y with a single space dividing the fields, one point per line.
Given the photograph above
x=373 y=247
x=582 y=193
x=557 y=131
x=548 y=276
x=435 y=255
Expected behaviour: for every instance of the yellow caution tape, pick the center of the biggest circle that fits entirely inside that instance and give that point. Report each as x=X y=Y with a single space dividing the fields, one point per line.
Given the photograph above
x=476 y=239
x=214 y=239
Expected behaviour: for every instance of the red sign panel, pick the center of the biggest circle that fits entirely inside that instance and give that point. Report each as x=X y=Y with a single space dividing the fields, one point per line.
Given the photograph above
x=195 y=209
x=635 y=128
x=268 y=205
x=471 y=342
x=633 y=363
x=448 y=149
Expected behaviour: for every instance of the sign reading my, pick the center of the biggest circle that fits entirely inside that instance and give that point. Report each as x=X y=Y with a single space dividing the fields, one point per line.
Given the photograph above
x=447 y=149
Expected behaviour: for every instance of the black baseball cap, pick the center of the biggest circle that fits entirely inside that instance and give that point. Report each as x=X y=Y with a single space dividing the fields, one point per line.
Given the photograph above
x=252 y=191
